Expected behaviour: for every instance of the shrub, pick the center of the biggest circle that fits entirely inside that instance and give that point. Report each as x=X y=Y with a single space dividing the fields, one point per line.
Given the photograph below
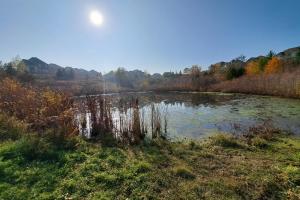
x=259 y=142
x=32 y=148
x=192 y=144
x=294 y=173
x=264 y=131
x=183 y=172
x=115 y=161
x=108 y=140
x=226 y=140
x=40 y=109
x=142 y=167
x=11 y=128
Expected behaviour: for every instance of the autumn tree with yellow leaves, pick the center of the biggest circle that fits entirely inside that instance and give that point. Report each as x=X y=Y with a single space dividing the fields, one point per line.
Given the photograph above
x=252 y=68
x=274 y=65
x=266 y=66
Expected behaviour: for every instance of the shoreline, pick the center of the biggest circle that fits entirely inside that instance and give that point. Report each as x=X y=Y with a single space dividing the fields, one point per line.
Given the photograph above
x=219 y=167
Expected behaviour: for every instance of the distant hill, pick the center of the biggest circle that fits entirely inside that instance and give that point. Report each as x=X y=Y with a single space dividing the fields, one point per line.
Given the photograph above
x=289 y=53
x=37 y=66
x=83 y=81
x=41 y=69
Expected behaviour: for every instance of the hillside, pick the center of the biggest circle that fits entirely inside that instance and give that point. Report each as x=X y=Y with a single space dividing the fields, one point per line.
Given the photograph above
x=40 y=69
x=218 y=76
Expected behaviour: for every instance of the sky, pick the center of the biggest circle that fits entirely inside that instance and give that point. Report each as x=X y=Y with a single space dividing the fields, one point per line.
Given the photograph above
x=151 y=35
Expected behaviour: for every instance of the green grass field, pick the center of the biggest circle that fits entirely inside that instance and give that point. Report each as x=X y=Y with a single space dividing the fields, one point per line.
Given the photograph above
x=220 y=167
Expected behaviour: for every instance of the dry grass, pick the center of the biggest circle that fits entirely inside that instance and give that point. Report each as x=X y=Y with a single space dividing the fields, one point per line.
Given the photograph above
x=213 y=169
x=285 y=84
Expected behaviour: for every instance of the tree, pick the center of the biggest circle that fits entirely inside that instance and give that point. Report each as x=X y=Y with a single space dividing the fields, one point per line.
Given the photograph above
x=271 y=54
x=241 y=58
x=21 y=67
x=195 y=70
x=252 y=68
x=122 y=78
x=65 y=74
x=169 y=74
x=297 y=58
x=262 y=62
x=217 y=68
x=2 y=72
x=232 y=73
x=186 y=70
x=9 y=69
x=274 y=65
x=16 y=69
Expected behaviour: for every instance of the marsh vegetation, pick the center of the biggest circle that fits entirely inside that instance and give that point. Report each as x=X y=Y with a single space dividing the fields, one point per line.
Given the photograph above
x=153 y=100
x=262 y=164
x=45 y=152
x=197 y=115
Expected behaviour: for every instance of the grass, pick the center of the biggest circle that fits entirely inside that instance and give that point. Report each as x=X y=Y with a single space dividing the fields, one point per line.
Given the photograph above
x=183 y=172
x=221 y=167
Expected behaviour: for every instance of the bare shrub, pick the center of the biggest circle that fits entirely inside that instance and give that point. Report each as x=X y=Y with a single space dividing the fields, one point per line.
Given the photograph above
x=260 y=135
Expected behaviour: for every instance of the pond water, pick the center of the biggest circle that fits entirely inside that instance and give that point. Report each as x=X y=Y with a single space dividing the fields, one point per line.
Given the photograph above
x=196 y=115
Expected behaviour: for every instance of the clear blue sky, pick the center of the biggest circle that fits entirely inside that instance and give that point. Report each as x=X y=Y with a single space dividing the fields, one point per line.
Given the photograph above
x=152 y=35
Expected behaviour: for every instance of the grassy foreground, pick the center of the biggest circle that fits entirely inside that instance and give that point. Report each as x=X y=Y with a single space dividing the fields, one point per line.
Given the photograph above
x=221 y=167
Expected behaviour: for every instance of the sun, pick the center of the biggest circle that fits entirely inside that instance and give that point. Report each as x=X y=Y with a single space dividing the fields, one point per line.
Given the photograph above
x=96 y=18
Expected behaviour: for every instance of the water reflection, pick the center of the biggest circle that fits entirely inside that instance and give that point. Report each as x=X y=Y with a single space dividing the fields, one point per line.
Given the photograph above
x=195 y=115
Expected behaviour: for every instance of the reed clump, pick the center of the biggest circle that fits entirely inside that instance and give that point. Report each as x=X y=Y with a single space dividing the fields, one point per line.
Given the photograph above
x=124 y=123
x=131 y=126
x=99 y=109
x=159 y=122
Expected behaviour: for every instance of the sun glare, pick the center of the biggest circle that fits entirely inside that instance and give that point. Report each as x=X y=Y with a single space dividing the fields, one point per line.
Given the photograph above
x=96 y=18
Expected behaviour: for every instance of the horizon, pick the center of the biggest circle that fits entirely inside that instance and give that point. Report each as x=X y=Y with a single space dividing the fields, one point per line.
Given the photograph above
x=114 y=69
x=153 y=36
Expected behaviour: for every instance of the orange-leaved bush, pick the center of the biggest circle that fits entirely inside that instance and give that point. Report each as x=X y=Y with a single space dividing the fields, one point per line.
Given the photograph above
x=42 y=109
x=274 y=65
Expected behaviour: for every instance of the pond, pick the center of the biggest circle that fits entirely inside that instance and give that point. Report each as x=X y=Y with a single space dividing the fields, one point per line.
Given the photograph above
x=196 y=115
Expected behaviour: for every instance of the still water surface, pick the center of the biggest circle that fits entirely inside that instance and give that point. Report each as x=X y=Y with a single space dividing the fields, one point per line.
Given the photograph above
x=196 y=115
